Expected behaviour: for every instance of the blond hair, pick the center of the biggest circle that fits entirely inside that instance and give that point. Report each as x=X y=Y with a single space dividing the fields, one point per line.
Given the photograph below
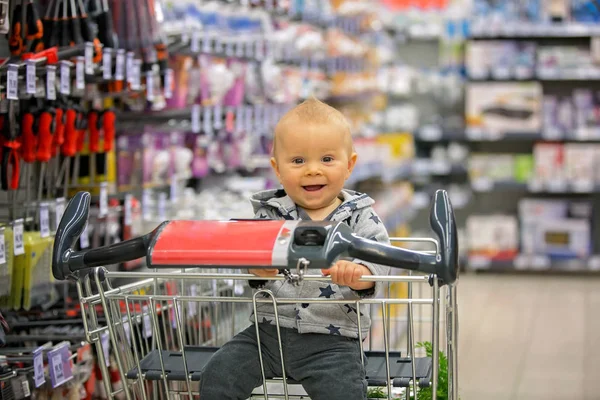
x=314 y=111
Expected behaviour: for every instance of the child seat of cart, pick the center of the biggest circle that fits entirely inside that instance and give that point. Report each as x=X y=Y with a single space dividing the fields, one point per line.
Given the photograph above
x=442 y=266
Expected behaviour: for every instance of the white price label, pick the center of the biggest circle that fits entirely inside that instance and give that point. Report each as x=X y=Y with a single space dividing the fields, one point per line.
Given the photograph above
x=583 y=186
x=107 y=64
x=218 y=117
x=431 y=133
x=129 y=65
x=120 y=65
x=239 y=119
x=84 y=239
x=557 y=186
x=51 y=82
x=162 y=206
x=30 y=78
x=479 y=262
x=195 y=43
x=173 y=188
x=535 y=185
x=196 y=118
x=38 y=368
x=474 y=133
x=12 y=83
x=150 y=86
x=80 y=74
x=2 y=247
x=44 y=220
x=57 y=367
x=18 y=241
x=147 y=323
x=146 y=199
x=105 y=342
x=136 y=76
x=169 y=83
x=248 y=119
x=65 y=78
x=207 y=120
x=206 y=45
x=552 y=134
x=483 y=184
x=103 y=207
x=89 y=58
x=59 y=210
x=128 y=218
x=60 y=365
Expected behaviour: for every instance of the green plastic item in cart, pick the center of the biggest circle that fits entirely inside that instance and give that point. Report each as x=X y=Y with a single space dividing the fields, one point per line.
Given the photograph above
x=523 y=167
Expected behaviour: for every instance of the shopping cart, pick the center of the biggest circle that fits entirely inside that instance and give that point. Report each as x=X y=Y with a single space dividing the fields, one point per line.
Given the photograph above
x=163 y=325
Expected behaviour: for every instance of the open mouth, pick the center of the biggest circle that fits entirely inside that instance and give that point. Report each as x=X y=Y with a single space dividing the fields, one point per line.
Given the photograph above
x=313 y=188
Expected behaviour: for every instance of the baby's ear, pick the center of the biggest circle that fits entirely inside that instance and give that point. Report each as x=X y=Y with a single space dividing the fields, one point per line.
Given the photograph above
x=275 y=166
x=352 y=162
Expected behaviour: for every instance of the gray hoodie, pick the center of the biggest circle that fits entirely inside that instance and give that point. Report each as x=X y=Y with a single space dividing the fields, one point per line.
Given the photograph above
x=334 y=319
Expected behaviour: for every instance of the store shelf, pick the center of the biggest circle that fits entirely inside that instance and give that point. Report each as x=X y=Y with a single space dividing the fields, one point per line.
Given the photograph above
x=538 y=76
x=482 y=185
x=387 y=174
x=485 y=30
x=534 y=263
x=427 y=166
x=434 y=134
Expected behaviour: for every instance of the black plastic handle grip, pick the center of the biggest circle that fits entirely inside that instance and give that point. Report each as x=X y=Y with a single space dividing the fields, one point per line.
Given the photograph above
x=66 y=262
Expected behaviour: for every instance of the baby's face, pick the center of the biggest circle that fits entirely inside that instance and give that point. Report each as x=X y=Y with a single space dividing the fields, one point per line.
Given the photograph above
x=312 y=162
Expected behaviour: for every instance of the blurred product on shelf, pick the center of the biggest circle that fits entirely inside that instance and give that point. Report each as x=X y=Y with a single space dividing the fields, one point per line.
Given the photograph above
x=492 y=237
x=553 y=167
x=559 y=229
x=498 y=108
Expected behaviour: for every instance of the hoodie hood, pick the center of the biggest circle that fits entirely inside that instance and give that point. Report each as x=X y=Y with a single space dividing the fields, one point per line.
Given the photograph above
x=280 y=202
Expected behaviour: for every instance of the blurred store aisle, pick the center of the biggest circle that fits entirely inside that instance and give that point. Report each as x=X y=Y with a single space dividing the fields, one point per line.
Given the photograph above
x=529 y=338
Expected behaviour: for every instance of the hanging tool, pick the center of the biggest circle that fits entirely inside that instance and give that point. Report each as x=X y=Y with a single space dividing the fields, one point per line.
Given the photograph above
x=106 y=32
x=10 y=155
x=88 y=33
x=34 y=28
x=15 y=40
x=93 y=141
x=29 y=143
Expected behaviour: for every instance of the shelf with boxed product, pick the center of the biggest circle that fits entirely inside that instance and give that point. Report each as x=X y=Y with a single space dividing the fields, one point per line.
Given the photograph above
x=479 y=135
x=482 y=29
x=431 y=166
x=482 y=185
x=551 y=234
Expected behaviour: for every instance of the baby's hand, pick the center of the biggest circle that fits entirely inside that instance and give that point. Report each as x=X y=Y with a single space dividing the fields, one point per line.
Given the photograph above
x=265 y=273
x=348 y=273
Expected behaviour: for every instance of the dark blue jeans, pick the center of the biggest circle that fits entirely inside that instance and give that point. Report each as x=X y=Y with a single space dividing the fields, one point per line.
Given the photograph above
x=328 y=367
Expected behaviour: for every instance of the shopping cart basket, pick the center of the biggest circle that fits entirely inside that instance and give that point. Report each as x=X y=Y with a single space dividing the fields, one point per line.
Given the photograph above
x=163 y=325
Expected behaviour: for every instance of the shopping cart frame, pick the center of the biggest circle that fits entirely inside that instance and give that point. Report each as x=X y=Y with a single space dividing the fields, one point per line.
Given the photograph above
x=95 y=289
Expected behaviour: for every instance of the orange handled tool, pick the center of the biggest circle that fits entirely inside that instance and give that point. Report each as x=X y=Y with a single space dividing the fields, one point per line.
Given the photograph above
x=59 y=131
x=69 y=147
x=45 y=139
x=28 y=138
x=108 y=124
x=94 y=131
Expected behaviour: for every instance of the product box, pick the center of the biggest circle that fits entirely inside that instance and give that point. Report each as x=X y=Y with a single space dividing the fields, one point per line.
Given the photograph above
x=504 y=107
x=549 y=163
x=580 y=165
x=494 y=237
x=135 y=155
x=523 y=168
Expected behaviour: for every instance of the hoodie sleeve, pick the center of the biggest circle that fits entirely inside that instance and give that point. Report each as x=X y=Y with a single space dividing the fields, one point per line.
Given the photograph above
x=262 y=213
x=369 y=226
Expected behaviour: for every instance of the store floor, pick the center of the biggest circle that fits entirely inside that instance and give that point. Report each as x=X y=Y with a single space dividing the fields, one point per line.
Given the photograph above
x=529 y=337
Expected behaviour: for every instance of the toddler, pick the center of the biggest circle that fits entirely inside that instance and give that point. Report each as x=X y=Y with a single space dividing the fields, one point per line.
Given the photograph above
x=313 y=156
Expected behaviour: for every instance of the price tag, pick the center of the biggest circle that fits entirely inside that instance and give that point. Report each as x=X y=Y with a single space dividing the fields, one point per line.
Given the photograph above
x=84 y=239
x=552 y=134
x=30 y=77
x=195 y=43
x=431 y=133
x=59 y=210
x=474 y=134
x=136 y=76
x=128 y=218
x=479 y=262
x=107 y=64
x=105 y=342
x=540 y=262
x=65 y=78
x=207 y=120
x=12 y=83
x=162 y=206
x=38 y=367
x=129 y=65
x=248 y=119
x=557 y=186
x=149 y=86
x=173 y=188
x=196 y=118
x=51 y=82
x=18 y=243
x=44 y=220
x=258 y=49
x=583 y=186
x=120 y=65
x=103 y=205
x=89 y=58
x=2 y=247
x=80 y=73
x=127 y=329
x=146 y=199
x=483 y=185
x=258 y=120
x=239 y=119
x=60 y=365
x=168 y=83
x=535 y=185
x=206 y=42
x=218 y=117
x=147 y=323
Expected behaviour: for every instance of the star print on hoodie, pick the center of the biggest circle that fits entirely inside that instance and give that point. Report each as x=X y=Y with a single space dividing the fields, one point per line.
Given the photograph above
x=333 y=319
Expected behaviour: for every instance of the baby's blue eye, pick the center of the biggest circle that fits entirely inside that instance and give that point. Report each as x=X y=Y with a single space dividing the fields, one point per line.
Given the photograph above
x=297 y=161
x=327 y=159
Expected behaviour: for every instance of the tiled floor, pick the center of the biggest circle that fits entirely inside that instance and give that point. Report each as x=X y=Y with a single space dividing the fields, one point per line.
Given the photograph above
x=529 y=337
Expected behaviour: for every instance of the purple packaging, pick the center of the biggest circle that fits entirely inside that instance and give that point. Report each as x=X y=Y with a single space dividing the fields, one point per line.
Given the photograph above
x=550 y=106
x=584 y=108
x=200 y=167
x=565 y=115
x=134 y=160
